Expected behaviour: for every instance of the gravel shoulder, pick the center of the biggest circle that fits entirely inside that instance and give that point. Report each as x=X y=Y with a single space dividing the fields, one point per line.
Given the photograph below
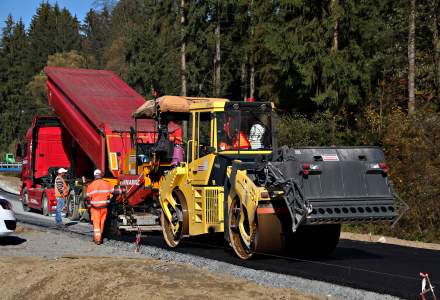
x=48 y=265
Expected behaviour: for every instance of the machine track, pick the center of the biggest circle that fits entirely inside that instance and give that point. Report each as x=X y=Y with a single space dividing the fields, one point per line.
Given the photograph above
x=382 y=268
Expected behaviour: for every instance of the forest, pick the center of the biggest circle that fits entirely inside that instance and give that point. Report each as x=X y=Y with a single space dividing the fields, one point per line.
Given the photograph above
x=340 y=72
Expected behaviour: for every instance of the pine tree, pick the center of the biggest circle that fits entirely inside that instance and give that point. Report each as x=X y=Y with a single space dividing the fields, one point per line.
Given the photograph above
x=97 y=32
x=153 y=50
x=52 y=30
x=14 y=101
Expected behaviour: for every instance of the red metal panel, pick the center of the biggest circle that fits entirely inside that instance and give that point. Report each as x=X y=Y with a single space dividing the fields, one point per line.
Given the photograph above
x=52 y=150
x=92 y=104
x=85 y=134
x=100 y=95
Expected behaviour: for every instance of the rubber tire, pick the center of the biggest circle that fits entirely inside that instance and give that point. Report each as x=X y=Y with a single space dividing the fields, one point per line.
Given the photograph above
x=113 y=232
x=111 y=227
x=45 y=205
x=73 y=215
x=25 y=206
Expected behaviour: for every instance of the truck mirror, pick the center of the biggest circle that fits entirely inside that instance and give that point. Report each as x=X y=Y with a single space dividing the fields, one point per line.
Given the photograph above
x=18 y=151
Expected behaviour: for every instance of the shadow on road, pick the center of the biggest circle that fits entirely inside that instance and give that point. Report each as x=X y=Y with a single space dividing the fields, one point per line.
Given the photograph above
x=11 y=241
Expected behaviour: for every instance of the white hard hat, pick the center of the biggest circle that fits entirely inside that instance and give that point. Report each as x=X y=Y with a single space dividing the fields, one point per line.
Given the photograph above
x=62 y=170
x=97 y=172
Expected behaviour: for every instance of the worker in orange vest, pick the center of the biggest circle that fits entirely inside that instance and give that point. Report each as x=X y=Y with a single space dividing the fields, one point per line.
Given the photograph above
x=99 y=193
x=61 y=192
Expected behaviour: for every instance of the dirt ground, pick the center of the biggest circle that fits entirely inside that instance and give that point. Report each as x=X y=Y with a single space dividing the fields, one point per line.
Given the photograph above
x=30 y=270
x=110 y=278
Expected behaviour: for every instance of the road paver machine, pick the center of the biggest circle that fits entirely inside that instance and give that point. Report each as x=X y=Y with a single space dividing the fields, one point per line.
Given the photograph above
x=234 y=179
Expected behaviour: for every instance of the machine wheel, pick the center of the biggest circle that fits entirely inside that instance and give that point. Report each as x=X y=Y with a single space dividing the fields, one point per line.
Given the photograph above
x=319 y=240
x=45 y=205
x=172 y=239
x=72 y=206
x=239 y=238
x=172 y=231
x=25 y=200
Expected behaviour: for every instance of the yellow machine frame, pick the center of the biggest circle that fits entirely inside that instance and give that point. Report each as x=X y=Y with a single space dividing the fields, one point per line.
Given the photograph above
x=193 y=206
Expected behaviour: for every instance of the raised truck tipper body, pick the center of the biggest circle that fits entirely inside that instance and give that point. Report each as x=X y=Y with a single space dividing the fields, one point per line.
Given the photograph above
x=93 y=128
x=263 y=198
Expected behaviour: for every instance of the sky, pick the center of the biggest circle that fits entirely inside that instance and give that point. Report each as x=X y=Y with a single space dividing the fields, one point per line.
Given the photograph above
x=25 y=9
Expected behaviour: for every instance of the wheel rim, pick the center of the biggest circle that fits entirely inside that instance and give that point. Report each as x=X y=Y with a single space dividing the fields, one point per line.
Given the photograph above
x=45 y=205
x=239 y=238
x=71 y=205
x=171 y=235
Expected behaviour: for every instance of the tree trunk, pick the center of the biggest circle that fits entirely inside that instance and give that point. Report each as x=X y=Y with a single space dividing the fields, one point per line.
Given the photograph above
x=183 y=48
x=252 y=60
x=335 y=42
x=217 y=81
x=436 y=44
x=243 y=78
x=252 y=81
x=411 y=58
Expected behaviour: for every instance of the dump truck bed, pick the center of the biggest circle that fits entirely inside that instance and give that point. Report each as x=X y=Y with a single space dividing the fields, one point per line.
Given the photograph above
x=95 y=106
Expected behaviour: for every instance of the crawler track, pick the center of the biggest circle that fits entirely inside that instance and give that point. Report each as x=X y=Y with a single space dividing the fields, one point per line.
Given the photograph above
x=377 y=267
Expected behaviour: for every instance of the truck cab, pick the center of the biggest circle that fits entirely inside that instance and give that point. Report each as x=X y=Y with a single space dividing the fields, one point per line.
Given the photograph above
x=45 y=149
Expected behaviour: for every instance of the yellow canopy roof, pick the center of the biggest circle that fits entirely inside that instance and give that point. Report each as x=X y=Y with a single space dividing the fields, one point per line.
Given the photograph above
x=177 y=104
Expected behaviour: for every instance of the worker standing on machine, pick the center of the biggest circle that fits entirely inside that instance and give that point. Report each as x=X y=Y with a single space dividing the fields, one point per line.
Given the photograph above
x=61 y=192
x=99 y=193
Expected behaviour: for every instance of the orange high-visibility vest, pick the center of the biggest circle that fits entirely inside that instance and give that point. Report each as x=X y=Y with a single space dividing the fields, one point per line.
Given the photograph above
x=99 y=192
x=58 y=194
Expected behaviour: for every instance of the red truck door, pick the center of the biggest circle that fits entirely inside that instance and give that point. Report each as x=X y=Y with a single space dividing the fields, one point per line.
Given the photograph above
x=52 y=150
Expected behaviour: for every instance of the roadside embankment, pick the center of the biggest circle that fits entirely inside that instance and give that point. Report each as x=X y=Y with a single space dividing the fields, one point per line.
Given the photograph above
x=38 y=264
x=10 y=184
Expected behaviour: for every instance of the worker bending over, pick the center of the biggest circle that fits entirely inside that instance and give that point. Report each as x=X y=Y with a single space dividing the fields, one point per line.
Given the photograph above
x=99 y=193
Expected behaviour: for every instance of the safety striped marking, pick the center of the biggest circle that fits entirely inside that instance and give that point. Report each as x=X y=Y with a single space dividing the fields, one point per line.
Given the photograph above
x=99 y=191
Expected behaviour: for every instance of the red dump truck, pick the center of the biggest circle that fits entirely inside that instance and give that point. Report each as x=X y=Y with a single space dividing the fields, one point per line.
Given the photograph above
x=92 y=128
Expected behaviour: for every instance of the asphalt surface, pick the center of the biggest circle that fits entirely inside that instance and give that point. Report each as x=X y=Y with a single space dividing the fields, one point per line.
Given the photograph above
x=377 y=267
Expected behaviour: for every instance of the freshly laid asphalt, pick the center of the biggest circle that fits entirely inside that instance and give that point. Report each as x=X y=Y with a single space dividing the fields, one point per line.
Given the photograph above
x=378 y=267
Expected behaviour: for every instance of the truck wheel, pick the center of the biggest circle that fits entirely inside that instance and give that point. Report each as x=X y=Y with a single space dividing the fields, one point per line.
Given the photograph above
x=25 y=200
x=318 y=240
x=237 y=235
x=113 y=231
x=73 y=206
x=45 y=205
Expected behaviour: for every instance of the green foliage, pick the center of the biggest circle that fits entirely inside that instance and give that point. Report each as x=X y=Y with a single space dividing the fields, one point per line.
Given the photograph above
x=152 y=50
x=24 y=54
x=36 y=89
x=52 y=30
x=412 y=147
x=14 y=76
x=322 y=129
x=96 y=30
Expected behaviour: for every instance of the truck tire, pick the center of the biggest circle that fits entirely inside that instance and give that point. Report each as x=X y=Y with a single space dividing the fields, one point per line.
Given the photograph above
x=73 y=206
x=25 y=200
x=45 y=205
x=111 y=228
